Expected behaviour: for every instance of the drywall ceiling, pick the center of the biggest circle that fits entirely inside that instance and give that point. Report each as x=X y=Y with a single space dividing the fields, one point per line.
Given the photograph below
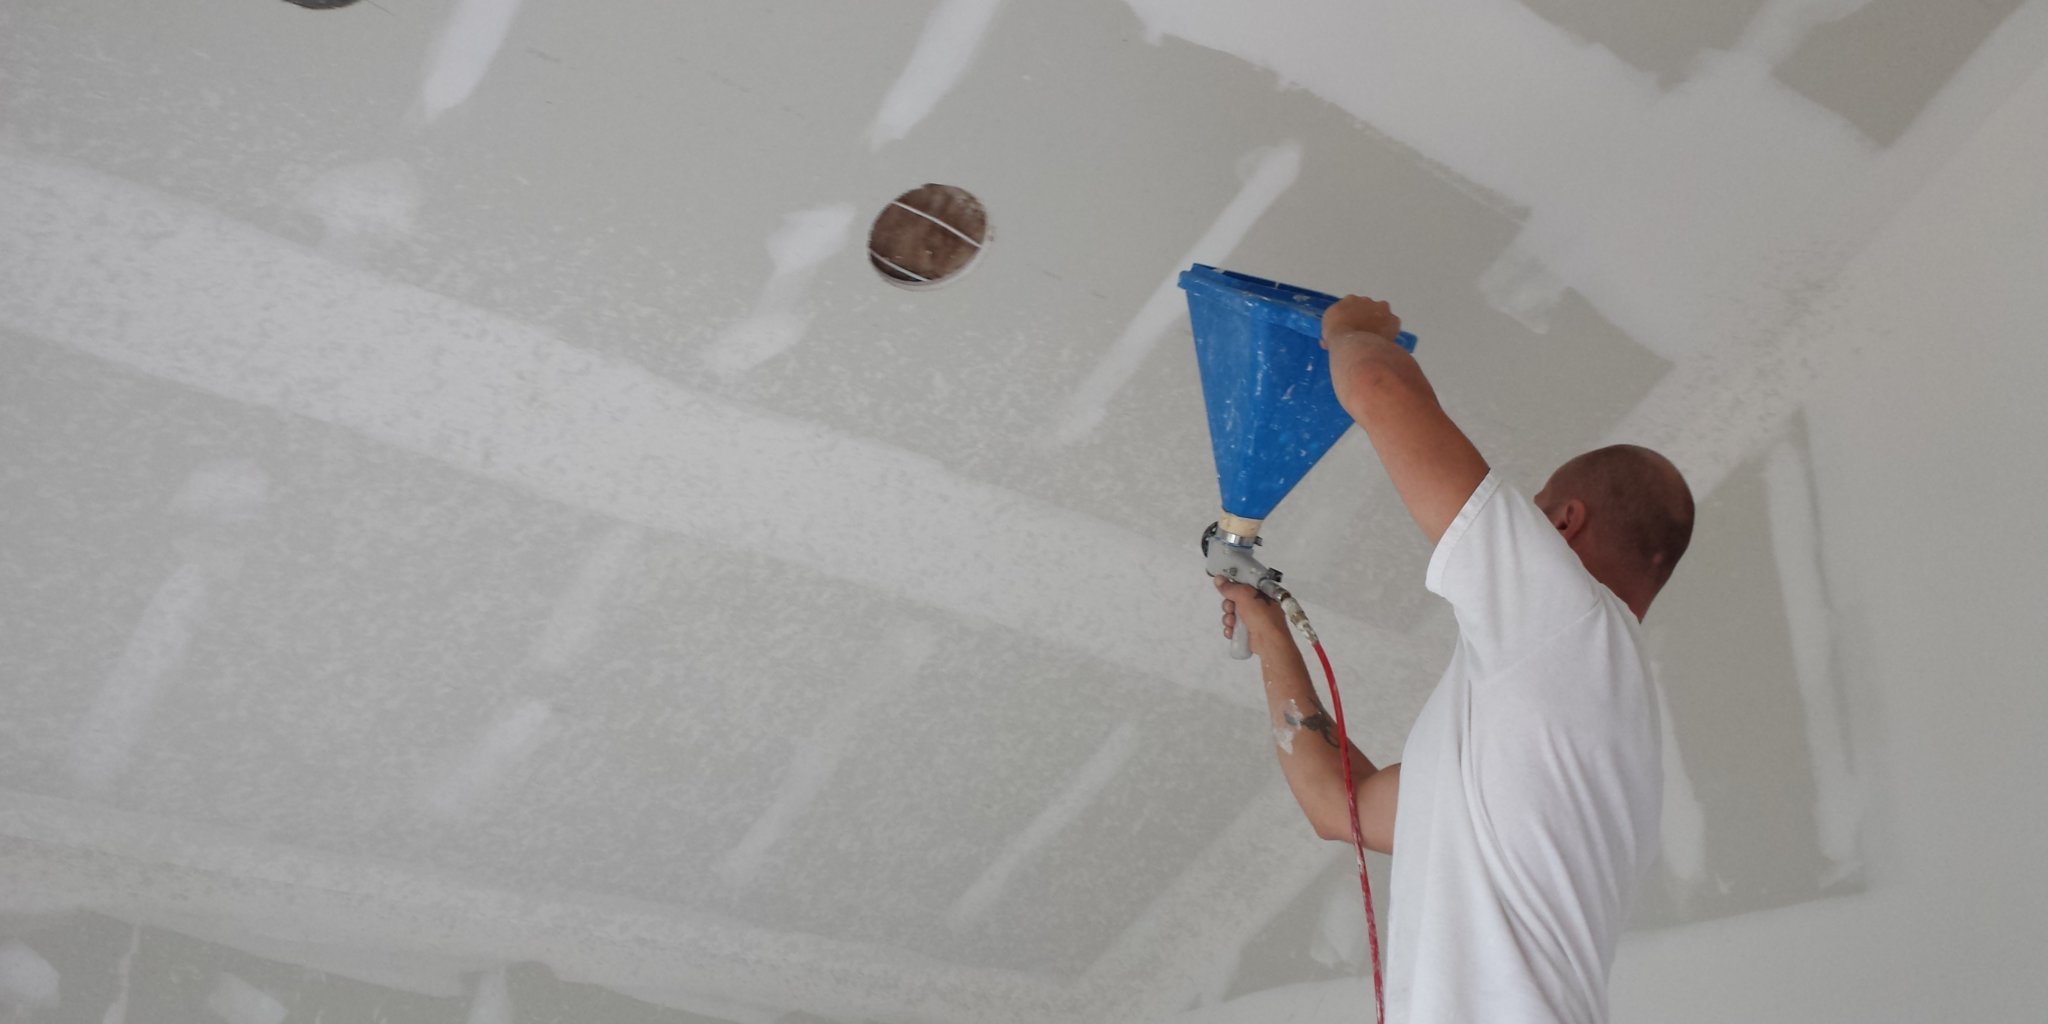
x=478 y=534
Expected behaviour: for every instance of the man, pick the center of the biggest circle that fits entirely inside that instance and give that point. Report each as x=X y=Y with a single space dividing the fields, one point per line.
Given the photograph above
x=1526 y=804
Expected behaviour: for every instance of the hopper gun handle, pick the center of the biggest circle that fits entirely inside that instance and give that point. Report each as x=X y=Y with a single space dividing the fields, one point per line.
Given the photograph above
x=1230 y=556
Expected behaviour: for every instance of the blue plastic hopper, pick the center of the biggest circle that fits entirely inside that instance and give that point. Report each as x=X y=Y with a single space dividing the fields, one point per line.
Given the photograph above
x=1266 y=382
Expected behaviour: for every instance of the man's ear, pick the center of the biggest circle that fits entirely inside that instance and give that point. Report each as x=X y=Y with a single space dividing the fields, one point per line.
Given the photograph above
x=1569 y=518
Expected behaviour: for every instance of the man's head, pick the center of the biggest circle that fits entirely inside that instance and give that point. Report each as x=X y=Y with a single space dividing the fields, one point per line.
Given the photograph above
x=1627 y=511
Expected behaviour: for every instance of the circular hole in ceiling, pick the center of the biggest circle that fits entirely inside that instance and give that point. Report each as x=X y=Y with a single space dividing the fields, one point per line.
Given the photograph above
x=321 y=4
x=928 y=235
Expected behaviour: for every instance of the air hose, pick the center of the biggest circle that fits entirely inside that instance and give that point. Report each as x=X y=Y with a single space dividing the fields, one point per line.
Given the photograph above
x=1299 y=618
x=1227 y=550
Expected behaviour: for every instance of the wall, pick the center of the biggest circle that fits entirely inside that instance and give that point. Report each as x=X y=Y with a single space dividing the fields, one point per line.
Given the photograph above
x=1927 y=428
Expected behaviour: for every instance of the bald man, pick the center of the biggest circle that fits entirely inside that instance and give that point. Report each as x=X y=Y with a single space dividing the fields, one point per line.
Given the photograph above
x=1525 y=807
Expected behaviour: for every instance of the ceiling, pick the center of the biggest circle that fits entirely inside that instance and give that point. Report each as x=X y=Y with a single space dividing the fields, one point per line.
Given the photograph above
x=467 y=503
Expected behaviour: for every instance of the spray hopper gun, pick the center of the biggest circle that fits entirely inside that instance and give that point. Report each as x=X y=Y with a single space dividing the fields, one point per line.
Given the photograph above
x=1227 y=550
x=1272 y=412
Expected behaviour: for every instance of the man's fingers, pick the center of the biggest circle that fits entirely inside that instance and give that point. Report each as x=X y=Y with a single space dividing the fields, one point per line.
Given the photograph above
x=1360 y=313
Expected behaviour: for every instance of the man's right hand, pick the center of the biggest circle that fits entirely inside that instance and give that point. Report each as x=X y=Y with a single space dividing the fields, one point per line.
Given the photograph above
x=1244 y=607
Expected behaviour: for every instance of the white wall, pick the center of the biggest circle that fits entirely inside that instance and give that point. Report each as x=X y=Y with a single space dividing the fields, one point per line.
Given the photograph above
x=1929 y=437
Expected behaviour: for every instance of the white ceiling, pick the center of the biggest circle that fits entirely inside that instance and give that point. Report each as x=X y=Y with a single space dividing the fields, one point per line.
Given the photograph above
x=469 y=502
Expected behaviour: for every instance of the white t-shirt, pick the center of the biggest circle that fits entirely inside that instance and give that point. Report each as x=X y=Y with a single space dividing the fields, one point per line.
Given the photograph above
x=1531 y=784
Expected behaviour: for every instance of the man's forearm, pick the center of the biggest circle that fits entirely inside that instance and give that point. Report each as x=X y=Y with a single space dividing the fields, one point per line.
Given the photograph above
x=1432 y=463
x=1305 y=737
x=1362 y=363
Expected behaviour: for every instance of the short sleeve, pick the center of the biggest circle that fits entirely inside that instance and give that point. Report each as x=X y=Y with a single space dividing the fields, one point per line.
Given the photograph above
x=1509 y=576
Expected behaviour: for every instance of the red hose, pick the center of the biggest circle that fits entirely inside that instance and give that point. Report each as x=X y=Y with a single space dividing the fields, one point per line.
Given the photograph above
x=1372 y=927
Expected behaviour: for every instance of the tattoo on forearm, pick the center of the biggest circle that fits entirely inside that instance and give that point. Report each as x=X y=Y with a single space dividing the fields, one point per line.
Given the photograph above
x=1318 y=722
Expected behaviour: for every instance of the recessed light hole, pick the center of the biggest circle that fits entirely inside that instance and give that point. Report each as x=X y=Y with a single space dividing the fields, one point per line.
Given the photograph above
x=928 y=235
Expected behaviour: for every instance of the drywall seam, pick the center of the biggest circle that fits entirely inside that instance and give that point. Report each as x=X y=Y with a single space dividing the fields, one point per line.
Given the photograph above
x=491 y=762
x=1079 y=793
x=167 y=289
x=463 y=54
x=574 y=622
x=898 y=655
x=945 y=50
x=1273 y=171
x=798 y=248
x=1809 y=621
x=147 y=667
x=216 y=500
x=1682 y=834
x=124 y=975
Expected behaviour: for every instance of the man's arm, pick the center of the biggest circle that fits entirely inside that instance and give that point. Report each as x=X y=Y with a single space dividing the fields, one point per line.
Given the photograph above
x=1433 y=465
x=1304 y=736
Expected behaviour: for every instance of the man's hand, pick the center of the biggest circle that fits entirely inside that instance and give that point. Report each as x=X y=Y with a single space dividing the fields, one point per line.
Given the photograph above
x=1244 y=607
x=1356 y=313
x=1357 y=331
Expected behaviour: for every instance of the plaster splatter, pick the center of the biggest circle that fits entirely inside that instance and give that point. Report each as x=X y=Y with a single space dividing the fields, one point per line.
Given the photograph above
x=363 y=206
x=1269 y=174
x=945 y=50
x=1290 y=727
